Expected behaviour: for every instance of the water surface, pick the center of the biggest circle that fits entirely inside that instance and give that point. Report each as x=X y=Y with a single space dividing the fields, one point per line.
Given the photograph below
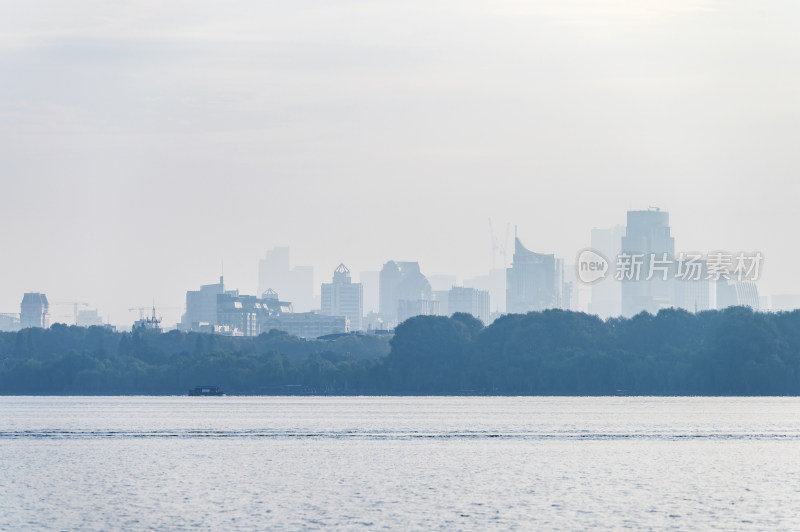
x=73 y=463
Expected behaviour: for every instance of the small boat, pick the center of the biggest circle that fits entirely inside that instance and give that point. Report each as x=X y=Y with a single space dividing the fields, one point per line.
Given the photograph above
x=206 y=390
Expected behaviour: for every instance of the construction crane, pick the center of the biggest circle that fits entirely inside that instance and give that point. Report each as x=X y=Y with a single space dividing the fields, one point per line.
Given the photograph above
x=75 y=305
x=498 y=246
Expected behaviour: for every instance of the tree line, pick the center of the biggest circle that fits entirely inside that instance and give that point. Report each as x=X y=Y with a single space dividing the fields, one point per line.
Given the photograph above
x=731 y=352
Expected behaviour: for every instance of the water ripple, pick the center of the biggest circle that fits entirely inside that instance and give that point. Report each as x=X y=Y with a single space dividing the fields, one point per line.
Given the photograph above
x=386 y=435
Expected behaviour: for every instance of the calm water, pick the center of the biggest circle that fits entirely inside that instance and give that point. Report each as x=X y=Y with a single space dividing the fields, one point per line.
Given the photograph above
x=75 y=463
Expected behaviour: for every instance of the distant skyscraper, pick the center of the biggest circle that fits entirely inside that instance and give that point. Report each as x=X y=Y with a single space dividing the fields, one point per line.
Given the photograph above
x=469 y=301
x=403 y=282
x=343 y=298
x=34 y=311
x=733 y=293
x=201 y=306
x=495 y=283
x=534 y=281
x=442 y=296
x=293 y=284
x=606 y=300
x=696 y=293
x=647 y=237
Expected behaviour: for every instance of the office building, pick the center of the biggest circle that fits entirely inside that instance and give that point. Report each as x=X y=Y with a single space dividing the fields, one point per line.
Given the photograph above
x=34 y=311
x=733 y=293
x=694 y=291
x=495 y=283
x=469 y=301
x=305 y=324
x=342 y=297
x=408 y=308
x=295 y=284
x=442 y=296
x=534 y=282
x=245 y=315
x=201 y=306
x=647 y=248
x=606 y=293
x=403 y=281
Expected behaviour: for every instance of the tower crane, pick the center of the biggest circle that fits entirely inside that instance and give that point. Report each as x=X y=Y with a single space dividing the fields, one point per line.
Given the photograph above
x=498 y=246
x=75 y=305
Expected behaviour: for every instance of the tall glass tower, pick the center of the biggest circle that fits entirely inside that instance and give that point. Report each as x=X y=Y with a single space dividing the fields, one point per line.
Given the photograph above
x=648 y=277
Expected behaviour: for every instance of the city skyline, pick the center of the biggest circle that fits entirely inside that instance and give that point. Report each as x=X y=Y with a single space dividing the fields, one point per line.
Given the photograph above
x=145 y=145
x=528 y=286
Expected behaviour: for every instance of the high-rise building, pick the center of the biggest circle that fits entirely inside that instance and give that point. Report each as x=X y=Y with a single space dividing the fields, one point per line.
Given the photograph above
x=403 y=281
x=648 y=252
x=295 y=284
x=606 y=298
x=732 y=293
x=342 y=297
x=469 y=301
x=201 y=306
x=34 y=311
x=534 y=282
x=695 y=292
x=495 y=283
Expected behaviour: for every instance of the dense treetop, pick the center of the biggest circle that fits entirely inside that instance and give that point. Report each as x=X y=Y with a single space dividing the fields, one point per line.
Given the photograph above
x=731 y=352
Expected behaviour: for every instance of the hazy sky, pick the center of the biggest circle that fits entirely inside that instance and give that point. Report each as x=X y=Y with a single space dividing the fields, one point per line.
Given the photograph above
x=142 y=143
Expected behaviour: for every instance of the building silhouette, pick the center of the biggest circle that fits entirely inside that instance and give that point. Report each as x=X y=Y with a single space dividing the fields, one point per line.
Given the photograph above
x=606 y=298
x=201 y=306
x=342 y=297
x=648 y=243
x=733 y=293
x=404 y=292
x=695 y=293
x=534 y=282
x=34 y=311
x=495 y=283
x=295 y=284
x=469 y=301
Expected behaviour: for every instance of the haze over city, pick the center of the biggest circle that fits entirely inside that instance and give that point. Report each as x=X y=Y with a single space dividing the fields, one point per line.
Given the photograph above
x=146 y=148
